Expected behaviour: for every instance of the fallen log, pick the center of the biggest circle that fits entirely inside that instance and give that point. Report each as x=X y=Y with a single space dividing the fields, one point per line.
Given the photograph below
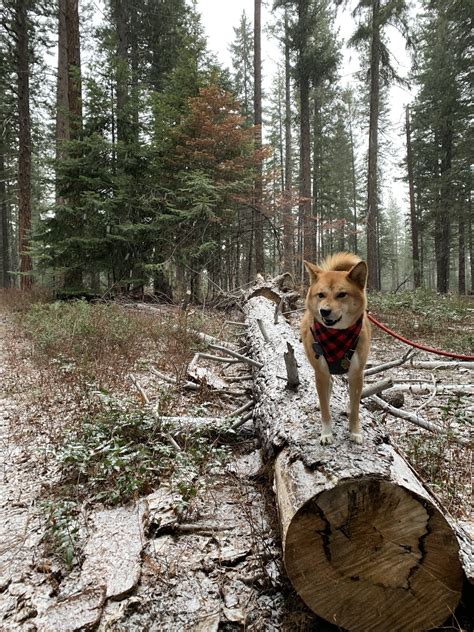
x=365 y=543
x=441 y=364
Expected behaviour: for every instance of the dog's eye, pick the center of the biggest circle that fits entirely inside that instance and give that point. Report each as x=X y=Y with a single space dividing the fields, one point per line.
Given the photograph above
x=341 y=295
x=320 y=295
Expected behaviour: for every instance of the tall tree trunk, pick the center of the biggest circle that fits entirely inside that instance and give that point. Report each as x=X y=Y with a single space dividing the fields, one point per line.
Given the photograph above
x=259 y=245
x=249 y=235
x=461 y=255
x=442 y=222
x=24 y=140
x=413 y=219
x=73 y=276
x=4 y=230
x=62 y=101
x=373 y=282
x=121 y=18
x=421 y=234
x=288 y=224
x=74 y=67
x=470 y=239
x=316 y=170
x=305 y=166
x=354 y=184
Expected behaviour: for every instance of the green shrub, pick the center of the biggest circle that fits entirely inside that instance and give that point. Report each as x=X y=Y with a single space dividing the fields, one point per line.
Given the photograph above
x=122 y=454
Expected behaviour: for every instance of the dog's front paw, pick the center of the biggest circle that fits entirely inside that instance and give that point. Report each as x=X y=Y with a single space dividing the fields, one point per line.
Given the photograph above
x=356 y=437
x=326 y=438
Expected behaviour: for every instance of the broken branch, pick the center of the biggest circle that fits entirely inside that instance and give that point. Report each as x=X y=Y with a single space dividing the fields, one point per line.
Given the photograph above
x=234 y=354
x=242 y=409
x=378 y=387
x=171 y=380
x=388 y=365
x=291 y=367
x=403 y=414
x=263 y=331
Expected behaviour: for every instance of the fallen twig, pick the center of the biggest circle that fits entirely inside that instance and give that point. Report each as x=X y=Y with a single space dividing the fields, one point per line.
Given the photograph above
x=214 y=358
x=211 y=339
x=235 y=323
x=240 y=378
x=240 y=410
x=136 y=383
x=388 y=365
x=192 y=364
x=403 y=414
x=234 y=354
x=242 y=420
x=377 y=387
x=430 y=399
x=424 y=387
x=418 y=421
x=147 y=403
x=442 y=364
x=192 y=386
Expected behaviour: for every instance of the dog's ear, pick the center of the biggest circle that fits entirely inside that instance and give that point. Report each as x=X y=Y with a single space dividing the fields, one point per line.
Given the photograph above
x=312 y=270
x=358 y=274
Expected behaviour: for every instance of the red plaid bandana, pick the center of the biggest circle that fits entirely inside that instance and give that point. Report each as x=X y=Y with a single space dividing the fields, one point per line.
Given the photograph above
x=337 y=345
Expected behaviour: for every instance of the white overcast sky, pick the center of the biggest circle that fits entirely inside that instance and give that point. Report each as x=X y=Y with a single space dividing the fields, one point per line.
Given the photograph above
x=219 y=17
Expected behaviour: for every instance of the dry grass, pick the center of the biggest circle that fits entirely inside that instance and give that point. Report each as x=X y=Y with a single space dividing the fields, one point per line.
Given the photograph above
x=439 y=320
x=62 y=354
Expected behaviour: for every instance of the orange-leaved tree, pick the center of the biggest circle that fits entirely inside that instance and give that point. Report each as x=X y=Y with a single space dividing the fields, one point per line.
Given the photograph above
x=212 y=167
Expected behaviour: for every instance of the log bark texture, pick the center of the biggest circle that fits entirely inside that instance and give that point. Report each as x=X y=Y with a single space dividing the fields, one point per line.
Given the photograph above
x=365 y=543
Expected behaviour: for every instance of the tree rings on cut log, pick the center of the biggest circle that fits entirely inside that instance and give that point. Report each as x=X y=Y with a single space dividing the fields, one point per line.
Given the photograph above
x=369 y=554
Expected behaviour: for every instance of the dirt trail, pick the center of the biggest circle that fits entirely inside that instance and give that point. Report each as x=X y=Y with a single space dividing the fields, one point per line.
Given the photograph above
x=20 y=530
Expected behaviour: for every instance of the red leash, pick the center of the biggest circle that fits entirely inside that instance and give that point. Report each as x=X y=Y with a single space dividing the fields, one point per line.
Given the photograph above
x=417 y=346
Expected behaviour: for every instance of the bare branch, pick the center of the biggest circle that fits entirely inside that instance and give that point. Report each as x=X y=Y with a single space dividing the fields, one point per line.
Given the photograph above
x=240 y=357
x=378 y=387
x=388 y=365
x=403 y=414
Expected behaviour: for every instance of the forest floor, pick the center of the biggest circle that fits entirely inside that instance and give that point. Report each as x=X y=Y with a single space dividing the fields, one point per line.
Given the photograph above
x=194 y=543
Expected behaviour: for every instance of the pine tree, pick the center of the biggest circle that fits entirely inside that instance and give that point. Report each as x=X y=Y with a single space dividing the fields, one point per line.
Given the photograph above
x=7 y=149
x=21 y=29
x=241 y=51
x=212 y=166
x=312 y=39
x=257 y=106
x=441 y=132
x=413 y=213
x=370 y=32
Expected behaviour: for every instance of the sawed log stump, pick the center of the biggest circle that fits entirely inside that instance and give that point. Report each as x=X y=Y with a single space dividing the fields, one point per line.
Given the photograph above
x=365 y=543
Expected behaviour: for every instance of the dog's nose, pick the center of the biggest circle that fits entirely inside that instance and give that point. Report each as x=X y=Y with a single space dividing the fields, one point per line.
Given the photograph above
x=324 y=312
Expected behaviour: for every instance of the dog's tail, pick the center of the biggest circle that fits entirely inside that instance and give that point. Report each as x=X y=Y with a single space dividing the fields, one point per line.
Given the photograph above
x=340 y=262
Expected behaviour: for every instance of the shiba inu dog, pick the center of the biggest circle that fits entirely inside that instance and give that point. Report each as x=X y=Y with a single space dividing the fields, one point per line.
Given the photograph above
x=336 y=332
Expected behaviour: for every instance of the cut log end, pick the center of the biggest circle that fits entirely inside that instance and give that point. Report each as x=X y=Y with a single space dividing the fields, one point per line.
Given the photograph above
x=371 y=555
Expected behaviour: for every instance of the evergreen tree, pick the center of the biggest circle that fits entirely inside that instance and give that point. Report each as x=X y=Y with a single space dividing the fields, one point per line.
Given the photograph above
x=258 y=121
x=241 y=51
x=7 y=151
x=311 y=32
x=377 y=16
x=441 y=131
x=212 y=166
